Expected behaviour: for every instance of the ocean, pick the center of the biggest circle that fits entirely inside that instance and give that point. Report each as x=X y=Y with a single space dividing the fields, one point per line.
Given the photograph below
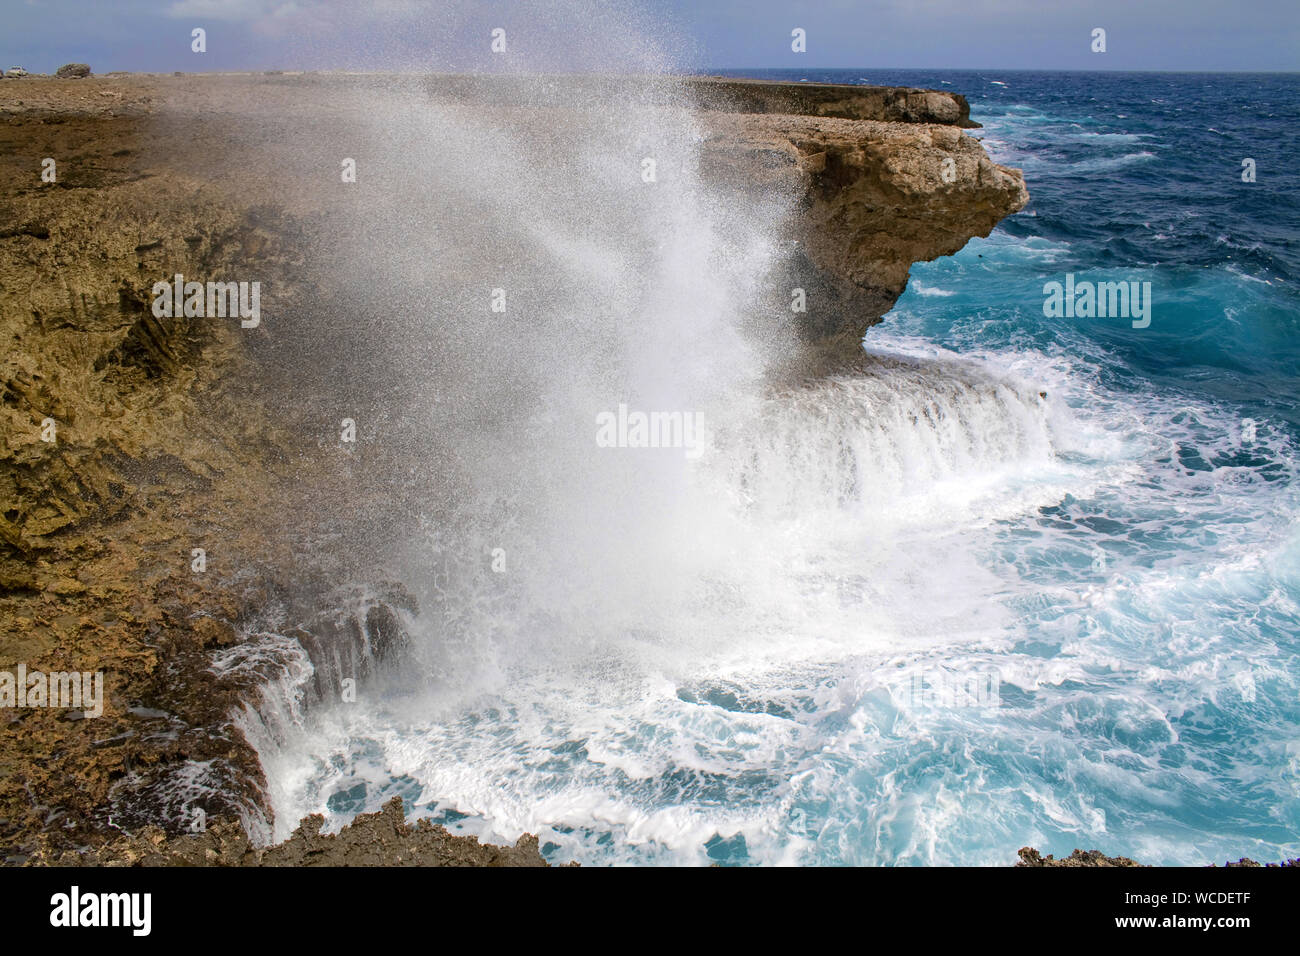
x=1027 y=580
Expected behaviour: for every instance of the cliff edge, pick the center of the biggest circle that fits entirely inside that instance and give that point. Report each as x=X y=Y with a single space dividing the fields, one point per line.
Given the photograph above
x=160 y=476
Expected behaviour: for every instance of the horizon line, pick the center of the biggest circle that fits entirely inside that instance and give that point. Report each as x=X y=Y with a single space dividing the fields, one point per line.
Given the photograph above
x=704 y=71
x=1017 y=69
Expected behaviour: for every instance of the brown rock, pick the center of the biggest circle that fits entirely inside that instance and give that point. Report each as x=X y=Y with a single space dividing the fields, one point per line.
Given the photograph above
x=1031 y=857
x=875 y=198
x=172 y=436
x=372 y=839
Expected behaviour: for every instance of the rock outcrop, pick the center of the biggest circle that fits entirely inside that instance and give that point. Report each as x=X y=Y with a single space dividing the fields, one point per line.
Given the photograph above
x=1086 y=858
x=372 y=839
x=1095 y=858
x=876 y=197
x=130 y=444
x=886 y=177
x=890 y=104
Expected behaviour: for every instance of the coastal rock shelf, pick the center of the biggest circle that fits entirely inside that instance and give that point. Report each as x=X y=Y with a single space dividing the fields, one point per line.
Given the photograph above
x=875 y=198
x=179 y=435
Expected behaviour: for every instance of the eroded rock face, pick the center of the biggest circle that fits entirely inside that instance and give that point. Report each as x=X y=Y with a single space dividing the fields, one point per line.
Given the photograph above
x=885 y=177
x=1086 y=858
x=876 y=197
x=176 y=434
x=1095 y=858
x=372 y=839
x=890 y=104
x=102 y=509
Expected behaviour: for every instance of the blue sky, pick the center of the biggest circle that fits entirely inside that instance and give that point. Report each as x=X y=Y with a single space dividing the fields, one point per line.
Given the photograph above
x=155 y=35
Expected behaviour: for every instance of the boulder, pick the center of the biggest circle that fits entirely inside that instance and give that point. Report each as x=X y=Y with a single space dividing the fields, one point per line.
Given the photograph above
x=72 y=70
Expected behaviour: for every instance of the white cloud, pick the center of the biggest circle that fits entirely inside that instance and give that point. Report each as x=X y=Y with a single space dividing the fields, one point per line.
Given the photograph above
x=226 y=9
x=281 y=9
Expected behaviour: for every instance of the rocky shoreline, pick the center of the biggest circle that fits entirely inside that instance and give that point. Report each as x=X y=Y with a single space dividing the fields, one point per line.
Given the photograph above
x=174 y=436
x=372 y=839
x=1095 y=858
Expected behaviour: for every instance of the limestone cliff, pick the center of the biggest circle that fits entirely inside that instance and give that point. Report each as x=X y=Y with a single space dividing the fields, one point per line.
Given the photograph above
x=877 y=197
x=175 y=435
x=886 y=175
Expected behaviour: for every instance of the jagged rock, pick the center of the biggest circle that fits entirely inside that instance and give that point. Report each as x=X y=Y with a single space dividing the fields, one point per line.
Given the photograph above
x=875 y=200
x=171 y=439
x=892 y=104
x=357 y=639
x=886 y=177
x=72 y=70
x=372 y=839
x=1245 y=861
x=1031 y=857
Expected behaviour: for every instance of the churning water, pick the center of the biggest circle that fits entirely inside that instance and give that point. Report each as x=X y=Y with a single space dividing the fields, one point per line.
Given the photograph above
x=1016 y=581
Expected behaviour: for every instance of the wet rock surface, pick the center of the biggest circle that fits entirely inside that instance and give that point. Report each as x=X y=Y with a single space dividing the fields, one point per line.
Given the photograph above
x=176 y=435
x=875 y=197
x=1031 y=857
x=372 y=839
x=1092 y=858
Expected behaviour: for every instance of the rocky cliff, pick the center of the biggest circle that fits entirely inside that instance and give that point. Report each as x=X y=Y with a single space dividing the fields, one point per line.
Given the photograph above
x=876 y=197
x=158 y=475
x=885 y=175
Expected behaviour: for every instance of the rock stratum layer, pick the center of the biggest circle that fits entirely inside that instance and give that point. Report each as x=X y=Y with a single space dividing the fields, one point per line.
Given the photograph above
x=179 y=434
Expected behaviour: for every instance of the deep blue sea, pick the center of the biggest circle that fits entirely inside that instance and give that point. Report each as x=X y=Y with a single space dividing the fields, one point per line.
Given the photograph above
x=1032 y=581
x=1176 y=734
x=1132 y=175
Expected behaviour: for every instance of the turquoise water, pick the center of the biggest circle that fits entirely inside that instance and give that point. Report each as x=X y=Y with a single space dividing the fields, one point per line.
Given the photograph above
x=1024 y=581
x=1178 y=721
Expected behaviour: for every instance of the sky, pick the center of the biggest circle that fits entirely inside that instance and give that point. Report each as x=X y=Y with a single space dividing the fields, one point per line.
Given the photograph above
x=640 y=35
